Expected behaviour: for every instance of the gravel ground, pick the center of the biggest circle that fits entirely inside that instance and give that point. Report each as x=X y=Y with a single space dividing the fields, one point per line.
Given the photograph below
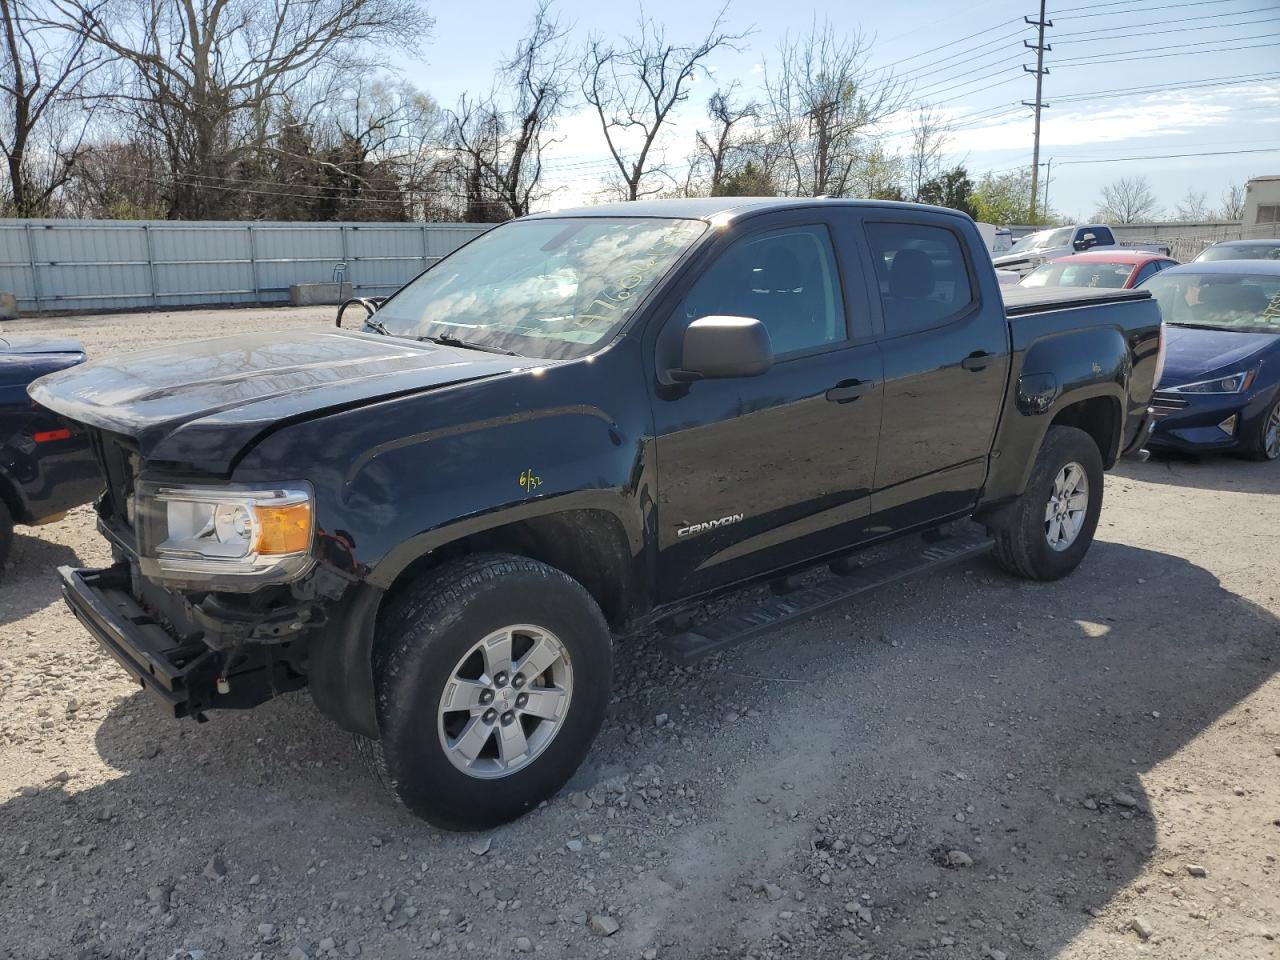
x=967 y=766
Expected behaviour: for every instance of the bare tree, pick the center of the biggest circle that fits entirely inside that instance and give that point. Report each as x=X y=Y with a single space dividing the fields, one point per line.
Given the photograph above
x=1194 y=207
x=1232 y=207
x=929 y=136
x=1128 y=200
x=824 y=103
x=44 y=73
x=500 y=138
x=635 y=85
x=722 y=149
x=204 y=74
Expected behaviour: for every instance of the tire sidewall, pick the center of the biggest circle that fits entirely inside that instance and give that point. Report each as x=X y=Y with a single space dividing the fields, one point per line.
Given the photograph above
x=423 y=653
x=1259 y=446
x=1063 y=446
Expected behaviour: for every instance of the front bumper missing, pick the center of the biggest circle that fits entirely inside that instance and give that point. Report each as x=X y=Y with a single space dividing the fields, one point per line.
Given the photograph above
x=181 y=676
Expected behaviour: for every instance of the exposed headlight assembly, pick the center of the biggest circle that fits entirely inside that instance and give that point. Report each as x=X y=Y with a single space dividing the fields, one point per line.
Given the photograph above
x=1232 y=383
x=250 y=535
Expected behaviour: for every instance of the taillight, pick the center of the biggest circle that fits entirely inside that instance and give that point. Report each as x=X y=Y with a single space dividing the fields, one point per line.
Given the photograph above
x=46 y=436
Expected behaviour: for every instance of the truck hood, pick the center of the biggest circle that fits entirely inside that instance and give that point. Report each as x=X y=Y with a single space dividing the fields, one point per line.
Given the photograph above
x=1194 y=353
x=202 y=403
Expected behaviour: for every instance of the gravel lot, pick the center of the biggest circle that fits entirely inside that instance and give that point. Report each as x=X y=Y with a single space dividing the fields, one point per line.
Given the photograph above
x=968 y=766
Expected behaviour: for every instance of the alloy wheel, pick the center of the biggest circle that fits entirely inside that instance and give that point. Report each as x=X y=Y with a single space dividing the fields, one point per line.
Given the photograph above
x=1068 y=503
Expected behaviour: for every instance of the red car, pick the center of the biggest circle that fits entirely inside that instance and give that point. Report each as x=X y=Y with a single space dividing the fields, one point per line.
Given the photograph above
x=1119 y=269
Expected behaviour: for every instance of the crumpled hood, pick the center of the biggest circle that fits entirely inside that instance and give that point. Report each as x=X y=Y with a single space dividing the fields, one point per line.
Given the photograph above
x=1194 y=353
x=202 y=402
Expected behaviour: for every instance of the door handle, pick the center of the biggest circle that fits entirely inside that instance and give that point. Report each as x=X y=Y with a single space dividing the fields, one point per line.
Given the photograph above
x=846 y=391
x=978 y=360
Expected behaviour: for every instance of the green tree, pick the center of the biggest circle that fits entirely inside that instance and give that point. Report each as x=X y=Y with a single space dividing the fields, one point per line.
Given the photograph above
x=750 y=180
x=951 y=189
x=1006 y=198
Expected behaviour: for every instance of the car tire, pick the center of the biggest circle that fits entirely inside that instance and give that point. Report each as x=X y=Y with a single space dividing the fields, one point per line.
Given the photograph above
x=1027 y=542
x=453 y=721
x=6 y=534
x=1265 y=442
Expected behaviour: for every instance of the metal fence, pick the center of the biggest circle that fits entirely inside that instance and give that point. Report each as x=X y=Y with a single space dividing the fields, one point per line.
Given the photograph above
x=74 y=265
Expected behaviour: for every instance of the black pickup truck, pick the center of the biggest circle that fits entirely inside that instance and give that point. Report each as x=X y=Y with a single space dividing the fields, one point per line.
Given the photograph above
x=574 y=426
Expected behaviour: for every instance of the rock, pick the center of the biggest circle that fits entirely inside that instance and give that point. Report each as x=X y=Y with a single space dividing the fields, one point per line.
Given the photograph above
x=61 y=776
x=575 y=846
x=866 y=839
x=958 y=858
x=481 y=847
x=266 y=930
x=650 y=953
x=216 y=868
x=604 y=926
x=353 y=948
x=773 y=891
x=580 y=800
x=1196 y=870
x=1141 y=928
x=1090 y=804
x=660 y=719
x=1124 y=800
x=505 y=894
x=327 y=945
x=73 y=705
x=297 y=953
x=1238 y=791
x=524 y=944
x=992 y=954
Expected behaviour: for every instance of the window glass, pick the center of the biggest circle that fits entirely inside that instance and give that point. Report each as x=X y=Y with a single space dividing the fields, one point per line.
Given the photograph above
x=1148 y=270
x=923 y=277
x=1219 y=301
x=786 y=279
x=554 y=288
x=1079 y=275
x=1103 y=236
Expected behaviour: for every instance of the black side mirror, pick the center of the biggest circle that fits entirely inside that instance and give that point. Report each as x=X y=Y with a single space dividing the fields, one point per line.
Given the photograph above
x=716 y=348
x=1086 y=241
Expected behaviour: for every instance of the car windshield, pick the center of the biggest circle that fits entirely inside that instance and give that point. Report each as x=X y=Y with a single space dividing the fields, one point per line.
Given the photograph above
x=1248 y=302
x=1092 y=274
x=1043 y=240
x=1240 y=251
x=553 y=289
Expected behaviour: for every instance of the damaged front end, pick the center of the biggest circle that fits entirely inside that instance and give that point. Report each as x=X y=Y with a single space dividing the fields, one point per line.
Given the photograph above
x=215 y=598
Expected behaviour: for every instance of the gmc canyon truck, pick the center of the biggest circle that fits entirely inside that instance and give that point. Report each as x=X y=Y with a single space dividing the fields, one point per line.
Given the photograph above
x=577 y=425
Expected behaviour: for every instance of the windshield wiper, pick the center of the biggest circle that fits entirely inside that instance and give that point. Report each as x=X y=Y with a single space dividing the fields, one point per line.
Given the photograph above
x=447 y=341
x=378 y=325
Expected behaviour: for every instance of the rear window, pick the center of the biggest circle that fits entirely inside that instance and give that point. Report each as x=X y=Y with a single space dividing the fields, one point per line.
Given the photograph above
x=1114 y=275
x=1241 y=251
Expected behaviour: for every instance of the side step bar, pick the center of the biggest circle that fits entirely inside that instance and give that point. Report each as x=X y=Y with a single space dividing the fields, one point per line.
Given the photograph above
x=691 y=645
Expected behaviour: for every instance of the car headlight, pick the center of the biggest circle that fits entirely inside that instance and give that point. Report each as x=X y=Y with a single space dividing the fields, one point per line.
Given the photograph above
x=255 y=535
x=1231 y=383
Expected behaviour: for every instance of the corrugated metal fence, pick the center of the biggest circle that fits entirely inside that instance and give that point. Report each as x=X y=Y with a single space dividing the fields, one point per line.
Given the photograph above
x=70 y=265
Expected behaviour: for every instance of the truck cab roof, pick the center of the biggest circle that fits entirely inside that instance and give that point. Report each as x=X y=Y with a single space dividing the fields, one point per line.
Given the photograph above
x=709 y=208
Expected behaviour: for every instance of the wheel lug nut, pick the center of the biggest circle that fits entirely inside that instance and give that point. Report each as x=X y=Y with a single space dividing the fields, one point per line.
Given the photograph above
x=490 y=716
x=507 y=718
x=500 y=680
x=518 y=681
x=486 y=697
x=522 y=700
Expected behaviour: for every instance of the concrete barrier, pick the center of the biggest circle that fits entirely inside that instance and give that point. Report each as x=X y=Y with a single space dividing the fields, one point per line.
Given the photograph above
x=8 y=306
x=318 y=294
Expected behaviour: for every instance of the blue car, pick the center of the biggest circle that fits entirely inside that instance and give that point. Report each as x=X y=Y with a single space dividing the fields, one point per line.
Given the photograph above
x=1221 y=384
x=47 y=465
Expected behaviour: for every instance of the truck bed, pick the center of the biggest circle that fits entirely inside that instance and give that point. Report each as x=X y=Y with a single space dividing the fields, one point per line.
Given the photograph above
x=1020 y=301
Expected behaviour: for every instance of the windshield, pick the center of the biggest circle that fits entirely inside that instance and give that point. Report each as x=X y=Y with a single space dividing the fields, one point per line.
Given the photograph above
x=1092 y=274
x=1042 y=240
x=1249 y=303
x=553 y=289
x=1241 y=251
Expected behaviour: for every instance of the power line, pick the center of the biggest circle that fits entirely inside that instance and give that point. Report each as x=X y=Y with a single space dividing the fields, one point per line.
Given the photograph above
x=1097 y=11
x=1171 y=46
x=1173 y=156
x=1088 y=62
x=1071 y=37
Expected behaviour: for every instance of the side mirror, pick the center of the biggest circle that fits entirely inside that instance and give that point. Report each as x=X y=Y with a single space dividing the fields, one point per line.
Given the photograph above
x=1086 y=241
x=716 y=348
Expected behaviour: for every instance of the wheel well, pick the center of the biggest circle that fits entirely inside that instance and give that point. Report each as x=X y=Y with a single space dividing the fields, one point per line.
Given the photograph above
x=1100 y=418
x=589 y=545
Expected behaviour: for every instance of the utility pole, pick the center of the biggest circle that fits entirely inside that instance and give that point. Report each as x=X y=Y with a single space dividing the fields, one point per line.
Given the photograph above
x=1040 y=70
x=1048 y=175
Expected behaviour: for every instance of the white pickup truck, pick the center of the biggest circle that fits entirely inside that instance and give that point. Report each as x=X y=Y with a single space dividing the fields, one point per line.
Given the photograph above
x=1044 y=245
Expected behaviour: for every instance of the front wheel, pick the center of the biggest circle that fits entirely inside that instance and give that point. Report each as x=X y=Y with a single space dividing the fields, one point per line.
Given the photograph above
x=1051 y=525
x=1265 y=443
x=492 y=677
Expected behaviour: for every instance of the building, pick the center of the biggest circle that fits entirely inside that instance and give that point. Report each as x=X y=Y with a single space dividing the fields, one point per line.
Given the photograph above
x=1262 y=207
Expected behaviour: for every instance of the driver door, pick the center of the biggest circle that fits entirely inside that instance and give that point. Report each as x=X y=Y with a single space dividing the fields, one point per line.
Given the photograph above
x=759 y=473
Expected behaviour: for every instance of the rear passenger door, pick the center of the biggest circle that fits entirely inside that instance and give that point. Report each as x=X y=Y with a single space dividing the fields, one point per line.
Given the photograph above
x=945 y=349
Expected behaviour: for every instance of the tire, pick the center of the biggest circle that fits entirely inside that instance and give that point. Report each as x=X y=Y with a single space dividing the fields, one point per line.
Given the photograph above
x=1022 y=542
x=442 y=645
x=1265 y=442
x=6 y=535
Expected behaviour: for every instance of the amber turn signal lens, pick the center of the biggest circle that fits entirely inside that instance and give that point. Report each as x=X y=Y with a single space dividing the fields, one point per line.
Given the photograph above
x=283 y=529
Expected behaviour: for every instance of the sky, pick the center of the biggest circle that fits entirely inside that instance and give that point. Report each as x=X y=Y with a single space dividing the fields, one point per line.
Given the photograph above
x=1194 y=77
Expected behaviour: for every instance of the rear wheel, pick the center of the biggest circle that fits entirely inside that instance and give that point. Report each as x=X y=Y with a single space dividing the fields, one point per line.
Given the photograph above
x=492 y=678
x=1265 y=443
x=1050 y=527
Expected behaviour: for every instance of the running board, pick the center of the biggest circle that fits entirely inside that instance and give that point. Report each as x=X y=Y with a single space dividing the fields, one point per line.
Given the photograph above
x=850 y=580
